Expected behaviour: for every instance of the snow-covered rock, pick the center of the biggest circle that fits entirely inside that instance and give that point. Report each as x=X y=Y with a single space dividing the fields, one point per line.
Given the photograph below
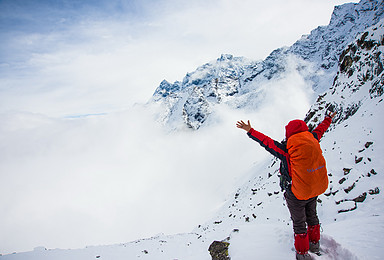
x=230 y=79
x=359 y=79
x=192 y=100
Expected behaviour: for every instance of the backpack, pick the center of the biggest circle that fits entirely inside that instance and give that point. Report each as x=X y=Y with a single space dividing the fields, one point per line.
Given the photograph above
x=308 y=166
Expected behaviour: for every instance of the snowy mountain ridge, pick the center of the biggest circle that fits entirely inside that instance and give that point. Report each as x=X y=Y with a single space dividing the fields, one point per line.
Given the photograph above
x=237 y=82
x=192 y=99
x=255 y=220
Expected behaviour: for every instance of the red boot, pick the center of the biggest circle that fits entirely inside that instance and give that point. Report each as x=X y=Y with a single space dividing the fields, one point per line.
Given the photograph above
x=302 y=246
x=314 y=238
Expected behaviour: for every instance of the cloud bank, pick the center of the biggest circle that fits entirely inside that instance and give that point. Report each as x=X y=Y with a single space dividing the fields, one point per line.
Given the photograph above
x=122 y=176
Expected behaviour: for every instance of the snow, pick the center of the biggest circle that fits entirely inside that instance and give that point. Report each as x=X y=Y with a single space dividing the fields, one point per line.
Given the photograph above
x=262 y=241
x=254 y=218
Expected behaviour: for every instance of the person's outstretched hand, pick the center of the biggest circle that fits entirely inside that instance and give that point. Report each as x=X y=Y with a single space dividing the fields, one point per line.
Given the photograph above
x=242 y=125
x=332 y=114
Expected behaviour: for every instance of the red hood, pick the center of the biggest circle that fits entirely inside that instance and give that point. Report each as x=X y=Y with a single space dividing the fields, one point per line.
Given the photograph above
x=294 y=127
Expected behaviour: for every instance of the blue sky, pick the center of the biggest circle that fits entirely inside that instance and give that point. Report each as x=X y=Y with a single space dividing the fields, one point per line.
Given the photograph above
x=101 y=176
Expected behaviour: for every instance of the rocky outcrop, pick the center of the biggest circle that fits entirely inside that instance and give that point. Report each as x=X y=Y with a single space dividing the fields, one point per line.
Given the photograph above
x=360 y=75
x=219 y=250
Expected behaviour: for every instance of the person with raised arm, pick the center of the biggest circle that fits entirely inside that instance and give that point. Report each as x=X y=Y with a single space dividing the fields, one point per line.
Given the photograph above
x=303 y=177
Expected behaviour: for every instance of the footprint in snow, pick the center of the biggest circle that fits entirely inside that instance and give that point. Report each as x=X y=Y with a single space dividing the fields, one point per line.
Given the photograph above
x=331 y=250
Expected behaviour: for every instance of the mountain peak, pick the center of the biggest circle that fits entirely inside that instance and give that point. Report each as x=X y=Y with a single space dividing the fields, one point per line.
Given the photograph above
x=228 y=79
x=225 y=57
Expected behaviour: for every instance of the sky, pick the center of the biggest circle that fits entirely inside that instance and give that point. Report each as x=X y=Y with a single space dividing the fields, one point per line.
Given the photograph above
x=64 y=58
x=82 y=162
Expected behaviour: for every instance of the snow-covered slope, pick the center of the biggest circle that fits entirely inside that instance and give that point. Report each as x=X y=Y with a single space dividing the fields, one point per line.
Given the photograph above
x=323 y=46
x=350 y=210
x=238 y=82
x=254 y=219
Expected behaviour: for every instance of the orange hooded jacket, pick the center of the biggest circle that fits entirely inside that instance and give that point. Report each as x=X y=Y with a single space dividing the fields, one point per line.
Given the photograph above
x=301 y=157
x=307 y=164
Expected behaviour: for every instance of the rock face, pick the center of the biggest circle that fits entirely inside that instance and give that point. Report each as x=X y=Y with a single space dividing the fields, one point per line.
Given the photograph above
x=236 y=81
x=325 y=44
x=360 y=78
x=219 y=250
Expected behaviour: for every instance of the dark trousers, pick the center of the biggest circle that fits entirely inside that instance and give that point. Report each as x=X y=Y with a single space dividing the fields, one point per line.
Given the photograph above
x=303 y=212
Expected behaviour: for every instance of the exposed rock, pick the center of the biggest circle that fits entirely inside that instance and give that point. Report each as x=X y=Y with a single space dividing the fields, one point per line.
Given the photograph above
x=342 y=180
x=374 y=191
x=219 y=250
x=368 y=144
x=360 y=198
x=346 y=64
x=373 y=172
x=347 y=210
x=346 y=171
x=358 y=159
x=347 y=190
